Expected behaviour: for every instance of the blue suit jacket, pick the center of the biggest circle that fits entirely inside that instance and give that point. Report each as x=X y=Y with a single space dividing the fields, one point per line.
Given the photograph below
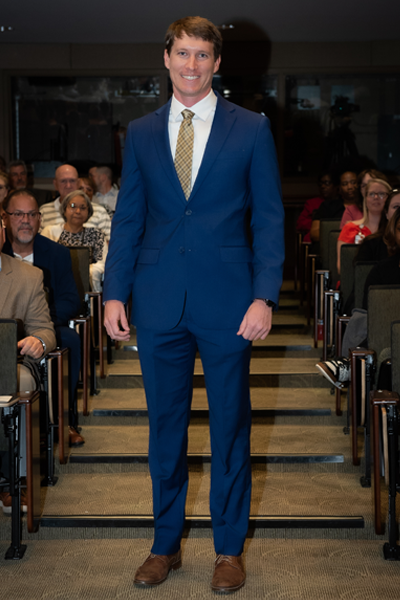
x=217 y=251
x=55 y=262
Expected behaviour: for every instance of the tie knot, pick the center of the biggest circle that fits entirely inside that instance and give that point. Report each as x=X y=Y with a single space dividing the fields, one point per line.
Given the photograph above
x=187 y=114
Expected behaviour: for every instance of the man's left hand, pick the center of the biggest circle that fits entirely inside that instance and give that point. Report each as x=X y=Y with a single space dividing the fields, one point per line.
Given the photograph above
x=31 y=346
x=257 y=321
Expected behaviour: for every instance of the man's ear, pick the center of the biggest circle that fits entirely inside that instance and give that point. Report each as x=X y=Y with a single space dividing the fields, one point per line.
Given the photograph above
x=216 y=64
x=166 y=59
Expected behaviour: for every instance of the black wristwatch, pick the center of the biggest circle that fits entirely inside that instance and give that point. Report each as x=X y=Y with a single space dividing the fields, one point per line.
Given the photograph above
x=268 y=302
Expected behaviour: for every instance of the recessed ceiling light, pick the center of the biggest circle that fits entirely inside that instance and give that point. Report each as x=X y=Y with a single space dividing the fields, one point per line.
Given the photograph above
x=226 y=26
x=4 y=28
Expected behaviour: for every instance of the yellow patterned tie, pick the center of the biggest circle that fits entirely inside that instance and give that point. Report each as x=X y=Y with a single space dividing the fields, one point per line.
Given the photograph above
x=184 y=152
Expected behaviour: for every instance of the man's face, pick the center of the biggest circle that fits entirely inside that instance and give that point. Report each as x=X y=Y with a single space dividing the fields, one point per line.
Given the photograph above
x=327 y=187
x=18 y=177
x=66 y=180
x=349 y=186
x=22 y=229
x=191 y=68
x=92 y=173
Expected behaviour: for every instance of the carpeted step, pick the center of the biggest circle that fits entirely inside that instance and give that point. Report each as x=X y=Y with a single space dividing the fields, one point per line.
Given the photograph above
x=264 y=372
x=289 y=497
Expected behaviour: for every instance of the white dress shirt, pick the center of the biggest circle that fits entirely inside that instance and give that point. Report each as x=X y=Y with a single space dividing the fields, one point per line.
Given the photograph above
x=204 y=112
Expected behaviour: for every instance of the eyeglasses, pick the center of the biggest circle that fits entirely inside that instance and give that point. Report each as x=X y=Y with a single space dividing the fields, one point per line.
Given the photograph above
x=18 y=215
x=380 y=195
x=74 y=206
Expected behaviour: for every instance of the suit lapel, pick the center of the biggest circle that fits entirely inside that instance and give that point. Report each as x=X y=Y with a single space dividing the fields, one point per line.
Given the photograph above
x=163 y=147
x=224 y=119
x=6 y=280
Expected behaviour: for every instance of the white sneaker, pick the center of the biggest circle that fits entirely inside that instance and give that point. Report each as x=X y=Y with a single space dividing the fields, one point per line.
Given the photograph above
x=337 y=372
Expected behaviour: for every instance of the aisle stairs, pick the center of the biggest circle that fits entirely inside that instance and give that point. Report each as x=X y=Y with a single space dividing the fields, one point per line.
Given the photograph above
x=303 y=477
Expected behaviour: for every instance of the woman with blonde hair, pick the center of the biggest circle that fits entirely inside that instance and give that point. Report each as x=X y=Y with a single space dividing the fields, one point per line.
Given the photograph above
x=376 y=193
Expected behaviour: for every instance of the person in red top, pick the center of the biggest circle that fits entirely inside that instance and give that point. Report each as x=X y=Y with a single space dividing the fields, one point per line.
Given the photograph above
x=327 y=191
x=377 y=190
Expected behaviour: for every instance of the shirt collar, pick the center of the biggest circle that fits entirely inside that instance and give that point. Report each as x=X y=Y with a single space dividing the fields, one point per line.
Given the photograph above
x=201 y=110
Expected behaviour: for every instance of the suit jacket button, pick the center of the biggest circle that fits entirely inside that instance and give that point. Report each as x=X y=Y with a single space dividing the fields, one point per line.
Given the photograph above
x=188 y=212
x=181 y=250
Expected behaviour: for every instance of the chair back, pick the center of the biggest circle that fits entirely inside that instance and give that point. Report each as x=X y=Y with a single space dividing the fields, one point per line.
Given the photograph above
x=396 y=356
x=80 y=258
x=326 y=226
x=361 y=272
x=332 y=257
x=348 y=252
x=8 y=356
x=383 y=309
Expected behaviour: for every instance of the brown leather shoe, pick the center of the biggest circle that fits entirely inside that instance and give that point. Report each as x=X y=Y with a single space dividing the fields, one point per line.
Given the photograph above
x=229 y=574
x=75 y=438
x=156 y=567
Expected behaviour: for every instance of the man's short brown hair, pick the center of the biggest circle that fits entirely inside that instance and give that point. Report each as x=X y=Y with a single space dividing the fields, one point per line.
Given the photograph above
x=197 y=27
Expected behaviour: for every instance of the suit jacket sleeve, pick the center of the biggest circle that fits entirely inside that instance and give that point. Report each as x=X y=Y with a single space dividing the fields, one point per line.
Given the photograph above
x=37 y=320
x=127 y=229
x=267 y=217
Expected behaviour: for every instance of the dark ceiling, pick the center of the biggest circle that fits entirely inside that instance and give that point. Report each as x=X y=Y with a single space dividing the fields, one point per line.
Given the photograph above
x=130 y=21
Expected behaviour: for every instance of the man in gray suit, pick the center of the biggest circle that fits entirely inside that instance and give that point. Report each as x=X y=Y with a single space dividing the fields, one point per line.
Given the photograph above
x=22 y=297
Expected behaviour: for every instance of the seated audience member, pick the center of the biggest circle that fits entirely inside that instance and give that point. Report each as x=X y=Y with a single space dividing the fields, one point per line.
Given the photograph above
x=66 y=181
x=4 y=186
x=353 y=212
x=373 y=247
x=22 y=297
x=386 y=272
x=76 y=210
x=335 y=208
x=22 y=220
x=107 y=194
x=86 y=184
x=19 y=180
x=377 y=191
x=328 y=192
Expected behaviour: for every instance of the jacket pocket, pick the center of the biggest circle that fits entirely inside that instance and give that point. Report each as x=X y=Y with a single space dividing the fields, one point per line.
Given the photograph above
x=236 y=254
x=148 y=256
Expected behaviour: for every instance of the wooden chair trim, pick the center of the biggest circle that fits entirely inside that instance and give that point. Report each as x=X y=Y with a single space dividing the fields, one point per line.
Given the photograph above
x=379 y=399
x=58 y=354
x=27 y=399
x=85 y=321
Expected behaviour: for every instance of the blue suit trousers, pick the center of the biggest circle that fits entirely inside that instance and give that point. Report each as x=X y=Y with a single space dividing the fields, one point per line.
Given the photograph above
x=167 y=361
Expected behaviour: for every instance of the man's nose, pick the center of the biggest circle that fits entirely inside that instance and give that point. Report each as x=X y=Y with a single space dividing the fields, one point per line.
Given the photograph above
x=192 y=63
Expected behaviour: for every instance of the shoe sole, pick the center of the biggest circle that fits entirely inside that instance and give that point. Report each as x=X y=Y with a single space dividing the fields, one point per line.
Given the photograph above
x=229 y=590
x=142 y=583
x=328 y=375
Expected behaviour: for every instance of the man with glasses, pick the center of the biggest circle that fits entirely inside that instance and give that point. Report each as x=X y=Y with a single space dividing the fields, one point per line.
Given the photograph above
x=66 y=181
x=22 y=219
x=22 y=297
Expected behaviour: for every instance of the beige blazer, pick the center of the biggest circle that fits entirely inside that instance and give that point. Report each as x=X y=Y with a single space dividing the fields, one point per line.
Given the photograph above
x=22 y=297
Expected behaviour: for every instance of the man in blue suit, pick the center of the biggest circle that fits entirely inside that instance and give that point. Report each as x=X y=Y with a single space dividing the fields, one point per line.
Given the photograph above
x=199 y=280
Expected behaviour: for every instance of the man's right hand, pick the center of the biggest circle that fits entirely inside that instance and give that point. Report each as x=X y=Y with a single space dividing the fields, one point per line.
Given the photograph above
x=115 y=321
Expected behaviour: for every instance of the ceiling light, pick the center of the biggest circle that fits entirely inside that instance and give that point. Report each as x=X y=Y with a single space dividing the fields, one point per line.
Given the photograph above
x=226 y=26
x=4 y=28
